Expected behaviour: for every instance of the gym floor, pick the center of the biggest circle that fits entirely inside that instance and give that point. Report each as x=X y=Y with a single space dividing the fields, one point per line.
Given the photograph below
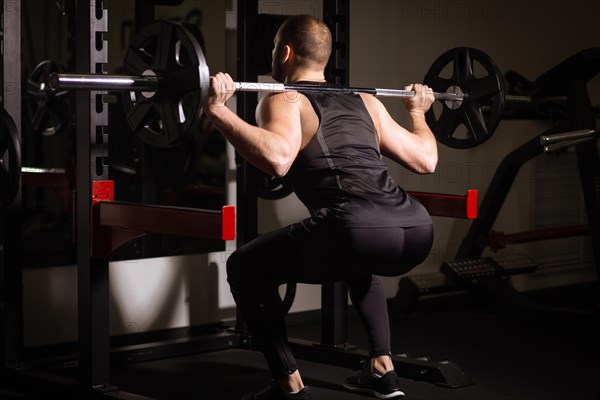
x=509 y=352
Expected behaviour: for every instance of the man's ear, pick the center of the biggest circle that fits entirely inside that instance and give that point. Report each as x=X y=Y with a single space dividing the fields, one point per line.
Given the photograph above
x=287 y=54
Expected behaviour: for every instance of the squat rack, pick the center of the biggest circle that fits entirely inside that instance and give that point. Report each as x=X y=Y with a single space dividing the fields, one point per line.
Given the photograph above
x=94 y=349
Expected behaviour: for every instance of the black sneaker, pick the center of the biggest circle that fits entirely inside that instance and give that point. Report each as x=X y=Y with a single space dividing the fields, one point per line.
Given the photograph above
x=384 y=387
x=274 y=392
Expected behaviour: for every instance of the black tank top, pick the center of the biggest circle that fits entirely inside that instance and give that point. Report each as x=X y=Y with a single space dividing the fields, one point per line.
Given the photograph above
x=340 y=175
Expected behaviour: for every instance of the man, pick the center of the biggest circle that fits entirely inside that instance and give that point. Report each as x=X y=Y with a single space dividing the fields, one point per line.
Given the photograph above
x=329 y=147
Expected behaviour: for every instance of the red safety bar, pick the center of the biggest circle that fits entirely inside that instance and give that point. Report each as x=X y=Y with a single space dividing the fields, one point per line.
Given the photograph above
x=49 y=178
x=447 y=205
x=103 y=191
x=499 y=240
x=228 y=223
x=116 y=223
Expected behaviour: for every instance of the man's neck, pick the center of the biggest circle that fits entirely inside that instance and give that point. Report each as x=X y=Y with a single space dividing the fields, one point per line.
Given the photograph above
x=310 y=76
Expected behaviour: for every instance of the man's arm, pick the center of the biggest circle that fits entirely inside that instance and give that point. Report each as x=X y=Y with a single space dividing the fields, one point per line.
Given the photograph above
x=273 y=145
x=416 y=149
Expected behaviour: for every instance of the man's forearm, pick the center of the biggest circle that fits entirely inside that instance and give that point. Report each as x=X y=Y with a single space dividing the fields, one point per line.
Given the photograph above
x=428 y=141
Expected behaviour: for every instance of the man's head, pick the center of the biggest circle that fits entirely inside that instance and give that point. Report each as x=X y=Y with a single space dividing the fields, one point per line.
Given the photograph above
x=302 y=42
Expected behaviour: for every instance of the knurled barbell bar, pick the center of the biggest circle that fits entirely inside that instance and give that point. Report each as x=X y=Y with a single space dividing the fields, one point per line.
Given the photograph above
x=150 y=84
x=167 y=80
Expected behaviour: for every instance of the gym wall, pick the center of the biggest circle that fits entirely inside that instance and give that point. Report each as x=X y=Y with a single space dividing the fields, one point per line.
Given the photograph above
x=528 y=37
x=393 y=43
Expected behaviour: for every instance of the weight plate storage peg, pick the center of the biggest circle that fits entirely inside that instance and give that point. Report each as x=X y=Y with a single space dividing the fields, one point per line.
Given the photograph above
x=483 y=96
x=10 y=160
x=172 y=54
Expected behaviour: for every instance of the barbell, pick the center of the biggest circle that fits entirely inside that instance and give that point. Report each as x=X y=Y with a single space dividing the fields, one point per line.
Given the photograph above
x=166 y=81
x=150 y=84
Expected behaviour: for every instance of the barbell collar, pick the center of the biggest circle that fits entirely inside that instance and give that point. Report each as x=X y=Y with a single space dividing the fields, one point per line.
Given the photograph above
x=107 y=82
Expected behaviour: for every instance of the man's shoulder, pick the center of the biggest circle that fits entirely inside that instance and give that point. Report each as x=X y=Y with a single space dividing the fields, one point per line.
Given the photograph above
x=279 y=99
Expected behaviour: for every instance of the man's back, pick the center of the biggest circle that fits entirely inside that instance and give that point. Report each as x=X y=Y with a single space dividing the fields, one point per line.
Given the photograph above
x=341 y=168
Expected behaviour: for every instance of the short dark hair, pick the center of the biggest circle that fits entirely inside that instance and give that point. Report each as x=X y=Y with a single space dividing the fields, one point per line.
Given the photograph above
x=309 y=37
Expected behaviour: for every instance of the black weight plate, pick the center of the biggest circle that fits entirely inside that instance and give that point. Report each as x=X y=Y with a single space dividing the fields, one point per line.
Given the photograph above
x=49 y=111
x=172 y=167
x=172 y=114
x=10 y=160
x=483 y=104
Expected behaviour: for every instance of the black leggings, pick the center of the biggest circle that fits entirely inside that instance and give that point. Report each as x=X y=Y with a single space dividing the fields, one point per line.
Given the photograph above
x=306 y=252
